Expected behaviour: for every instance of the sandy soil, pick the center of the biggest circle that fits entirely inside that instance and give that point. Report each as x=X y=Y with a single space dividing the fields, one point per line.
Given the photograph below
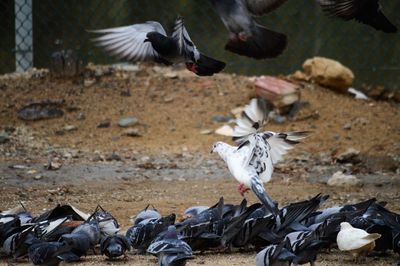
x=170 y=165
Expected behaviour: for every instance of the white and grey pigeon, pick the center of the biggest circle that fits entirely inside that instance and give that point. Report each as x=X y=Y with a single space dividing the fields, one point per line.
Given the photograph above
x=149 y=42
x=252 y=162
x=246 y=36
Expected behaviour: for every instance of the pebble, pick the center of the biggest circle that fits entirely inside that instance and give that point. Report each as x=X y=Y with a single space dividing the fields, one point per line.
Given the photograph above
x=70 y=128
x=339 y=179
x=221 y=119
x=168 y=99
x=347 y=156
x=81 y=116
x=104 y=124
x=206 y=132
x=127 y=121
x=347 y=126
x=38 y=177
x=113 y=157
x=131 y=132
x=4 y=137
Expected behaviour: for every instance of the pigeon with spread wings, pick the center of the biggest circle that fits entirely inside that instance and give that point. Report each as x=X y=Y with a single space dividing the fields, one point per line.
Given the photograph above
x=149 y=42
x=252 y=162
x=365 y=11
x=246 y=37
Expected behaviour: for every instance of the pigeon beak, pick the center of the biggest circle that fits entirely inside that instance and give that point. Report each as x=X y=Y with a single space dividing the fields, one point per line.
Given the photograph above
x=212 y=150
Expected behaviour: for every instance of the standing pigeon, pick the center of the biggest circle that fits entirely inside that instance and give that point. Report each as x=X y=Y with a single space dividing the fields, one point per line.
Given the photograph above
x=246 y=37
x=355 y=240
x=365 y=11
x=251 y=163
x=149 y=42
x=170 y=250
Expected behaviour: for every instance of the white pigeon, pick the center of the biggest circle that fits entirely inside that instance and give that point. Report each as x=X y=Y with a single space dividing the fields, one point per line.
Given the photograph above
x=355 y=240
x=252 y=162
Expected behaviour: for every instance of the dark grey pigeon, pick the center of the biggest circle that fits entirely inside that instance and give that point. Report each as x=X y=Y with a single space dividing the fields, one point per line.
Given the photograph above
x=141 y=235
x=365 y=11
x=50 y=253
x=149 y=42
x=170 y=250
x=246 y=36
x=274 y=255
x=114 y=246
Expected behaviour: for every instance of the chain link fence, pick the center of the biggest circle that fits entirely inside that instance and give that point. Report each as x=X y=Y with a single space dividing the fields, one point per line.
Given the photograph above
x=32 y=30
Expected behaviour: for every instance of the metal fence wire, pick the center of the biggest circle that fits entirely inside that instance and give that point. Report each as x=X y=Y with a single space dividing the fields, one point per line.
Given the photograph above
x=32 y=30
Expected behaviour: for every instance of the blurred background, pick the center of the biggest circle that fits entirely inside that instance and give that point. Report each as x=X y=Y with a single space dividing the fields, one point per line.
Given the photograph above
x=53 y=25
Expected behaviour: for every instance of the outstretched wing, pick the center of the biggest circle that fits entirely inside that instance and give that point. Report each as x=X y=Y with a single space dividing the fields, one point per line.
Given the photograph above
x=280 y=143
x=253 y=118
x=261 y=7
x=185 y=44
x=128 y=42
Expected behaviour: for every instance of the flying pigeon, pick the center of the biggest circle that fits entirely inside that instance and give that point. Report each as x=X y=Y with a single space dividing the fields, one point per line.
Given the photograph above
x=149 y=42
x=170 y=250
x=246 y=36
x=356 y=241
x=251 y=163
x=114 y=246
x=365 y=11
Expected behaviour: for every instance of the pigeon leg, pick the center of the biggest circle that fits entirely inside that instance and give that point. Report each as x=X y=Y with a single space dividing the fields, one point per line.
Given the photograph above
x=242 y=189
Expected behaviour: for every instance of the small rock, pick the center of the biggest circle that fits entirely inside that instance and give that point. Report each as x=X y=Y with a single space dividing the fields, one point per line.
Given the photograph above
x=225 y=130
x=70 y=128
x=128 y=121
x=38 y=177
x=53 y=166
x=347 y=126
x=113 y=157
x=169 y=99
x=104 y=124
x=4 y=137
x=81 y=116
x=348 y=156
x=18 y=166
x=339 y=179
x=206 y=132
x=131 y=132
x=171 y=75
x=237 y=112
x=89 y=82
x=221 y=119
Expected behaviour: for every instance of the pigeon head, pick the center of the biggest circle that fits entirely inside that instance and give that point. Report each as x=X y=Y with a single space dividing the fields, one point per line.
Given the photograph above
x=217 y=147
x=345 y=225
x=171 y=232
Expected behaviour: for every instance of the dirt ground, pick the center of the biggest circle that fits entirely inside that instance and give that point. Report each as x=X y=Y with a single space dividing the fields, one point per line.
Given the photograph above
x=170 y=166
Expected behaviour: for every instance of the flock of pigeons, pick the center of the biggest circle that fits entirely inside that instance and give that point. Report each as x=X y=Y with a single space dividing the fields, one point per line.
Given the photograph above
x=149 y=41
x=294 y=236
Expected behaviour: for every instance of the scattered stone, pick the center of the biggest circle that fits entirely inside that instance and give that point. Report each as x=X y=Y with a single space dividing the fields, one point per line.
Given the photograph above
x=131 y=132
x=38 y=177
x=348 y=156
x=128 y=121
x=225 y=130
x=171 y=75
x=169 y=99
x=81 y=116
x=221 y=119
x=70 y=128
x=41 y=110
x=89 y=82
x=206 y=132
x=53 y=165
x=237 y=112
x=113 y=157
x=329 y=73
x=104 y=124
x=126 y=93
x=358 y=94
x=4 y=137
x=18 y=167
x=339 y=179
x=347 y=126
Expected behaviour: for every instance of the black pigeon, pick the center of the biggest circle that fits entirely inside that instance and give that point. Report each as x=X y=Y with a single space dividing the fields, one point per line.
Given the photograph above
x=50 y=253
x=149 y=42
x=82 y=238
x=365 y=11
x=114 y=246
x=141 y=235
x=170 y=250
x=274 y=255
x=17 y=244
x=246 y=36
